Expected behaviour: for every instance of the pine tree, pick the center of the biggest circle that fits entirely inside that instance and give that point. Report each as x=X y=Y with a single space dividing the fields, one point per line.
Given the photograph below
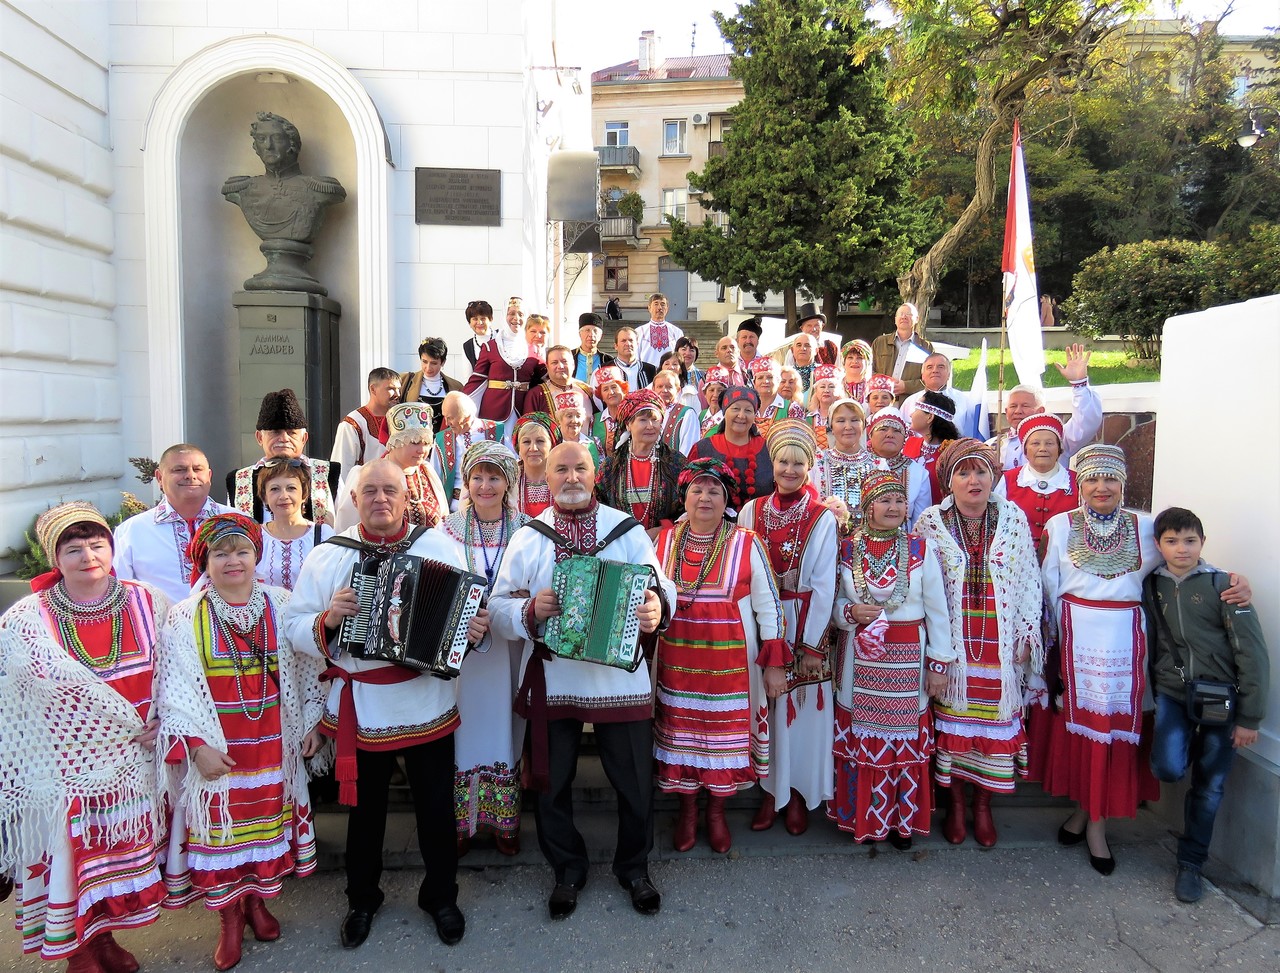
x=817 y=162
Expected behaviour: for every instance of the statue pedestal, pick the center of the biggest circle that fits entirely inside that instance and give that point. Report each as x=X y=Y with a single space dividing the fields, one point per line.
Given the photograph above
x=288 y=339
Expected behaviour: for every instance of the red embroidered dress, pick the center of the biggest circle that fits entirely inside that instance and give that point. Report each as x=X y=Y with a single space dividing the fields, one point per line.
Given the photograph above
x=268 y=838
x=711 y=728
x=90 y=885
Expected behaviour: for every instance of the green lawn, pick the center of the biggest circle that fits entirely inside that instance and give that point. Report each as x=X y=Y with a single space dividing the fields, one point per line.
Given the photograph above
x=1105 y=368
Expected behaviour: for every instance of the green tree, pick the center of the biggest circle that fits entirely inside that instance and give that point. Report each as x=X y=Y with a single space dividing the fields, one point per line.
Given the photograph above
x=987 y=59
x=817 y=164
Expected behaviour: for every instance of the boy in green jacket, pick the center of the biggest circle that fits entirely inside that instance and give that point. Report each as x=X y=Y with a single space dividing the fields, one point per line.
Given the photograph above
x=1195 y=635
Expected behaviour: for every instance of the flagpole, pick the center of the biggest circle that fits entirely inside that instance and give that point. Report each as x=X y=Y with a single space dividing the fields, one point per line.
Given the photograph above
x=1000 y=419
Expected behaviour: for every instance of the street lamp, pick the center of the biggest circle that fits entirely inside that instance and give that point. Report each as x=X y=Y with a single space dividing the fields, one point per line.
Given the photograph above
x=1253 y=129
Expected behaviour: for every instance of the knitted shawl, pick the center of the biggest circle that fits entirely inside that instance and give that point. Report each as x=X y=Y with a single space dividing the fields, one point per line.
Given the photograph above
x=187 y=710
x=66 y=735
x=1015 y=575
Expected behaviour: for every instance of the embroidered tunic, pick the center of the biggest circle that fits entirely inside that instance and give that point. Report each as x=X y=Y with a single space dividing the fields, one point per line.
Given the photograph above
x=1094 y=755
x=259 y=815
x=282 y=560
x=488 y=742
x=84 y=881
x=802 y=543
x=1040 y=496
x=242 y=491
x=884 y=731
x=712 y=723
x=361 y=436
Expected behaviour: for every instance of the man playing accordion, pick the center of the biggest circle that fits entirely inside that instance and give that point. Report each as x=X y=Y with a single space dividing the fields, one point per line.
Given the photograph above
x=378 y=710
x=558 y=695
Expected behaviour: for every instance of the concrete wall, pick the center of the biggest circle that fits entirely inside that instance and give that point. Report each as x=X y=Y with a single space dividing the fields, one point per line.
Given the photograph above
x=60 y=401
x=1196 y=453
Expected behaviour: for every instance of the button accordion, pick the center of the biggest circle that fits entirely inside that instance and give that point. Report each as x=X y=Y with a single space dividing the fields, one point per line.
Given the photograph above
x=598 y=604
x=413 y=611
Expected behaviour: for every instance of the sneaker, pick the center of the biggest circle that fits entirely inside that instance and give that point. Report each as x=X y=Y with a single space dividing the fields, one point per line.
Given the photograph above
x=1187 y=886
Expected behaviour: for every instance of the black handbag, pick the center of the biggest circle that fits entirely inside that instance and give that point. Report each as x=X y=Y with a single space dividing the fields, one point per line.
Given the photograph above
x=1209 y=702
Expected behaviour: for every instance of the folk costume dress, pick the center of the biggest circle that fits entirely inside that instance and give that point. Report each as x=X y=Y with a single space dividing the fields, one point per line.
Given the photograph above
x=505 y=371
x=282 y=560
x=925 y=453
x=1040 y=496
x=646 y=488
x=884 y=728
x=238 y=687
x=913 y=476
x=532 y=498
x=840 y=474
x=750 y=462
x=711 y=729
x=82 y=826
x=681 y=429
x=487 y=745
x=1093 y=574
x=802 y=540
x=993 y=600
x=446 y=458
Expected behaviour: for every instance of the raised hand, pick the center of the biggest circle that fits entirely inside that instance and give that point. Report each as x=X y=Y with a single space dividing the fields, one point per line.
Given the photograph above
x=1077 y=367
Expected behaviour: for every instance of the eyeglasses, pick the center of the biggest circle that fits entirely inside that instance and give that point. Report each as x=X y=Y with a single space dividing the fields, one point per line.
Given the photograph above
x=275 y=463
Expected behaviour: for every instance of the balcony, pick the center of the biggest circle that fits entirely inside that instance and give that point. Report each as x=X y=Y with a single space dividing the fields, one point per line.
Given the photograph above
x=620 y=229
x=619 y=159
x=715 y=150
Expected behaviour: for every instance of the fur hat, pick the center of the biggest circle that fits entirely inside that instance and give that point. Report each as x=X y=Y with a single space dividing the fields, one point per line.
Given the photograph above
x=280 y=410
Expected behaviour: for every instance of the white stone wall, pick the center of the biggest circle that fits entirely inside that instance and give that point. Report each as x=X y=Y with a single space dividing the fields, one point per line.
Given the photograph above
x=60 y=401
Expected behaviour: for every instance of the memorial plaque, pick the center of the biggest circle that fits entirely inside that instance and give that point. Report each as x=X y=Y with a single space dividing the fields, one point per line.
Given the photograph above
x=458 y=197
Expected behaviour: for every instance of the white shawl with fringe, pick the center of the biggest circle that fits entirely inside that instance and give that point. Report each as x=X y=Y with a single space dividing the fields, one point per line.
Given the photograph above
x=65 y=734
x=1015 y=575
x=187 y=710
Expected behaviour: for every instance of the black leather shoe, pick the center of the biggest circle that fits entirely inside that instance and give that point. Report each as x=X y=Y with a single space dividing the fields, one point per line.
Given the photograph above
x=450 y=924
x=645 y=897
x=1069 y=838
x=1103 y=866
x=900 y=841
x=355 y=927
x=563 y=900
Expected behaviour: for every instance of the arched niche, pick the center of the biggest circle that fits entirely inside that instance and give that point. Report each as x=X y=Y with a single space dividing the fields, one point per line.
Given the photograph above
x=199 y=249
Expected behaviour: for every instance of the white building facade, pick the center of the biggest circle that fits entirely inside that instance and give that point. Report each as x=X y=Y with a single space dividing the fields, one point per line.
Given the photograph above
x=119 y=258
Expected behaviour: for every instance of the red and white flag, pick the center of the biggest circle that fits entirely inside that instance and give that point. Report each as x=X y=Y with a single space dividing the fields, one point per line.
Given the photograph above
x=1021 y=302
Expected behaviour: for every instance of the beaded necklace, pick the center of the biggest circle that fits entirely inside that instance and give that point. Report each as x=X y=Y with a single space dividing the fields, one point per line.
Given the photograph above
x=1104 y=545
x=493 y=534
x=785 y=522
x=633 y=494
x=973 y=534
x=229 y=621
x=881 y=552
x=70 y=614
x=687 y=544
x=533 y=494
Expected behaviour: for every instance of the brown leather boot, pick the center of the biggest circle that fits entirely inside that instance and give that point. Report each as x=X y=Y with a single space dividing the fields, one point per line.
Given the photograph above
x=984 y=827
x=266 y=928
x=953 y=826
x=231 y=940
x=717 y=827
x=686 y=832
x=113 y=957
x=797 y=814
x=766 y=814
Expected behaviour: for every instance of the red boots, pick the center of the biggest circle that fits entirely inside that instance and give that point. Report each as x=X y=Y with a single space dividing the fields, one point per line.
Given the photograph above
x=796 y=814
x=113 y=957
x=717 y=827
x=686 y=832
x=953 y=826
x=984 y=828
x=266 y=929
x=766 y=814
x=227 y=953
x=85 y=959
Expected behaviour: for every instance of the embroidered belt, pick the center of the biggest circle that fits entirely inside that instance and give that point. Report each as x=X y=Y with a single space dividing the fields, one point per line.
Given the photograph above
x=518 y=386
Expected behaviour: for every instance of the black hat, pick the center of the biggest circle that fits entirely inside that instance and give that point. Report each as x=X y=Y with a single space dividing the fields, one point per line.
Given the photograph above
x=280 y=410
x=752 y=325
x=590 y=319
x=808 y=312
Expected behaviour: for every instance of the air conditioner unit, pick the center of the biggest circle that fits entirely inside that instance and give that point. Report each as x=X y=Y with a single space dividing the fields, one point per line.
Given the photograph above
x=701 y=118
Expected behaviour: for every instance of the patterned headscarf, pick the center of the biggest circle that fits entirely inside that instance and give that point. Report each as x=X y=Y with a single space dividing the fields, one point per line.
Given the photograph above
x=823 y=373
x=792 y=432
x=739 y=393
x=496 y=454
x=879 y=482
x=857 y=344
x=636 y=402
x=409 y=422
x=715 y=375
x=890 y=415
x=538 y=419
x=1100 y=459
x=51 y=524
x=719 y=471
x=760 y=364
x=880 y=383
x=217 y=529
x=605 y=374
x=573 y=399
x=959 y=450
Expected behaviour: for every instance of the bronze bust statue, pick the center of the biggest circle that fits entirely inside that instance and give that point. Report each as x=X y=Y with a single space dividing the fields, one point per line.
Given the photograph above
x=284 y=207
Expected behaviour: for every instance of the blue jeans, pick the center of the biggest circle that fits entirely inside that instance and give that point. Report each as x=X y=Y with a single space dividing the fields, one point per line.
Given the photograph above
x=1179 y=743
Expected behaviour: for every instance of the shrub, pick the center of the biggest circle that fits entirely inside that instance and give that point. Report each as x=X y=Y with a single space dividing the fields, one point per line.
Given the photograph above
x=632 y=204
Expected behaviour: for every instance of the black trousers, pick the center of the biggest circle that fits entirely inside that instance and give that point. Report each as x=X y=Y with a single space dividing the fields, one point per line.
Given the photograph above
x=429 y=767
x=626 y=751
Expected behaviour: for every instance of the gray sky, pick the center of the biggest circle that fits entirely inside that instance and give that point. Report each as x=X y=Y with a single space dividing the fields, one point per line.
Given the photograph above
x=616 y=35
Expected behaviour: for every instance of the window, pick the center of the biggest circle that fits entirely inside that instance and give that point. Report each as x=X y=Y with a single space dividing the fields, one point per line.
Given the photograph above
x=673 y=142
x=611 y=202
x=616 y=133
x=675 y=202
x=615 y=274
